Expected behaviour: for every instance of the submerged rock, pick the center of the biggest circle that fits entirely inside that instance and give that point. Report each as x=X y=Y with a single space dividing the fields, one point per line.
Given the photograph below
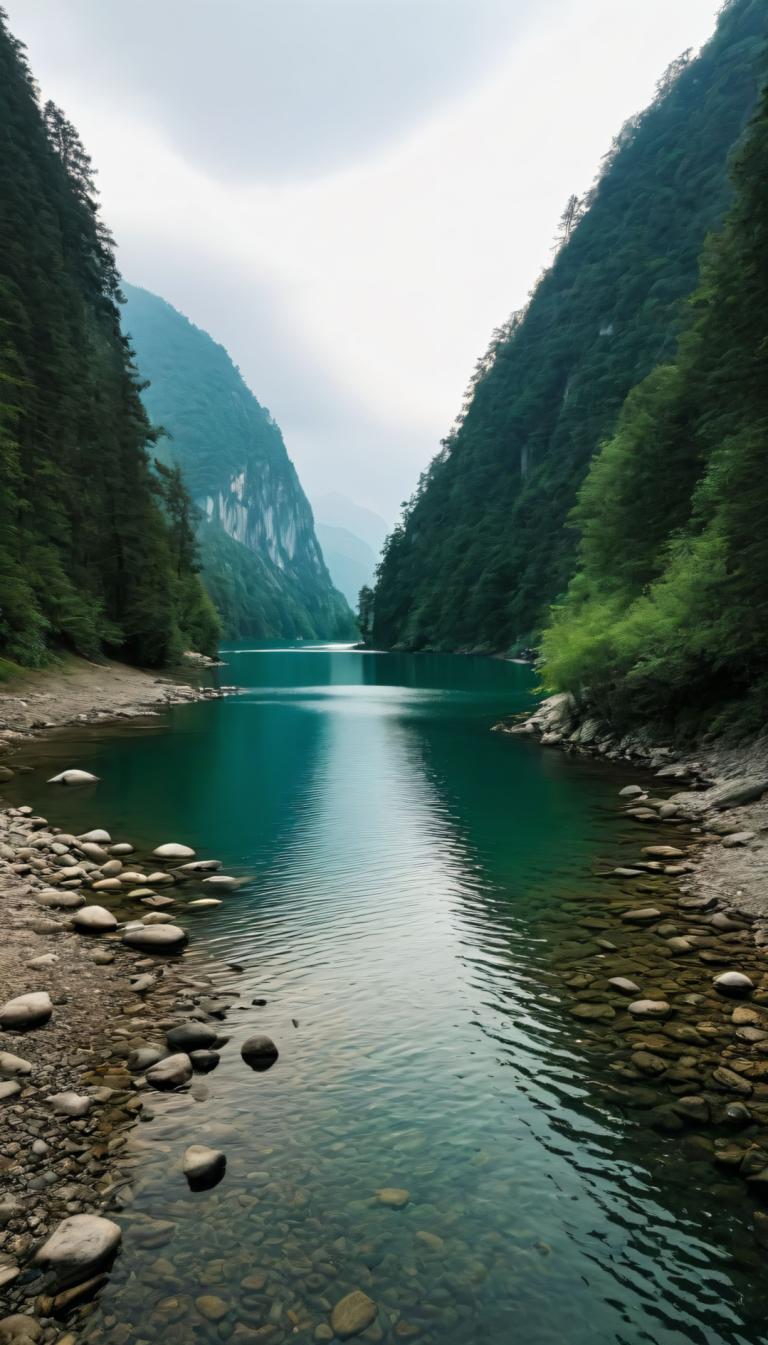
x=396 y=1197
x=353 y=1314
x=203 y=1167
x=650 y=1008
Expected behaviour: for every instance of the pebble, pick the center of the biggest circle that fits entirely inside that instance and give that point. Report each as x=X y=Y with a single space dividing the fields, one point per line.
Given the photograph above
x=70 y=1104
x=156 y=938
x=624 y=985
x=73 y=777
x=211 y=1307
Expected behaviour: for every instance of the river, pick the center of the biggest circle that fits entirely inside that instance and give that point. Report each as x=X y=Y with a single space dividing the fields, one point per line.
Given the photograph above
x=411 y=882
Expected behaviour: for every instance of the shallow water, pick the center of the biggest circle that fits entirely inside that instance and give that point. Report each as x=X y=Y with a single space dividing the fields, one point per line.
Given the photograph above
x=410 y=880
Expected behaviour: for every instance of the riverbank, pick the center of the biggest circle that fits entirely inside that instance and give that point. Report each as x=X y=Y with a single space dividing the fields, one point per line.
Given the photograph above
x=74 y=691
x=724 y=798
x=73 y=1077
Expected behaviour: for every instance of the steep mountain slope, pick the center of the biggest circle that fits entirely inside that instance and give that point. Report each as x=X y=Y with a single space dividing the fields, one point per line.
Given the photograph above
x=483 y=550
x=94 y=546
x=350 y=560
x=666 y=619
x=262 y=563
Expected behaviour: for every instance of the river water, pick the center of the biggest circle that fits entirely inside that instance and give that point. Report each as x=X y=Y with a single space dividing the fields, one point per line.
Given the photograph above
x=412 y=879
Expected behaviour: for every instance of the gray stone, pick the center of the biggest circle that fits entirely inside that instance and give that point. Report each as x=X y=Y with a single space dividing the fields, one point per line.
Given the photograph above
x=156 y=938
x=78 y=1247
x=70 y=1104
x=172 y=850
x=94 y=920
x=624 y=985
x=197 y=866
x=13 y=1066
x=143 y=1058
x=191 y=1037
x=9 y=1089
x=738 y=838
x=259 y=1052
x=98 y=836
x=650 y=1008
x=172 y=1072
x=26 y=1011
x=221 y=882
x=630 y=791
x=203 y=1167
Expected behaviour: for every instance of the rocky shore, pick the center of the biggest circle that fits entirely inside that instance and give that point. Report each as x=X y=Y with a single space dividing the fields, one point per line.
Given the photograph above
x=667 y=966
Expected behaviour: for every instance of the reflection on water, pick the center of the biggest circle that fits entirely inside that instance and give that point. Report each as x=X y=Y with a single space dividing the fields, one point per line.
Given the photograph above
x=410 y=877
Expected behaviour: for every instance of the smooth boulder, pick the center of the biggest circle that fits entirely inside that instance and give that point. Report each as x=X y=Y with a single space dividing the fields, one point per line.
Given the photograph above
x=27 y=1011
x=73 y=777
x=203 y=1167
x=156 y=938
x=259 y=1052
x=172 y=850
x=733 y=983
x=191 y=1037
x=221 y=882
x=172 y=1072
x=79 y=1246
x=98 y=836
x=94 y=920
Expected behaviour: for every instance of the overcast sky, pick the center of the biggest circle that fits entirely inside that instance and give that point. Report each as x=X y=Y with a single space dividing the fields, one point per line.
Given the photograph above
x=349 y=194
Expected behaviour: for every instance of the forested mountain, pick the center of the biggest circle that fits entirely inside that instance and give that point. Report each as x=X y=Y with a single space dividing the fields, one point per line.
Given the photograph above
x=483 y=548
x=667 y=617
x=262 y=563
x=95 y=551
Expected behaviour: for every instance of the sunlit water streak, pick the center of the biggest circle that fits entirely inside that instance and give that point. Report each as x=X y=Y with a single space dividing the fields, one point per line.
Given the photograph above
x=406 y=872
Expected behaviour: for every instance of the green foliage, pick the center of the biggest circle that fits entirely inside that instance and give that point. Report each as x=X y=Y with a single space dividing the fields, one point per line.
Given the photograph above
x=666 y=618
x=86 y=556
x=483 y=548
x=259 y=555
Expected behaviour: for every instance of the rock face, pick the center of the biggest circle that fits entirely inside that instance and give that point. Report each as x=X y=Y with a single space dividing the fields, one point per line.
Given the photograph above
x=203 y=1167
x=156 y=938
x=257 y=527
x=27 y=1011
x=73 y=777
x=94 y=920
x=173 y=1072
x=79 y=1246
x=259 y=1052
x=353 y=1314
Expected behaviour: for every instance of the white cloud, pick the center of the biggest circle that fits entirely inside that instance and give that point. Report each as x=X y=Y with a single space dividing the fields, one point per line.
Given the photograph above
x=391 y=272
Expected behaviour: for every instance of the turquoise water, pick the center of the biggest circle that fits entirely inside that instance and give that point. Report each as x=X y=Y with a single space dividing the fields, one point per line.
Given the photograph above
x=410 y=878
